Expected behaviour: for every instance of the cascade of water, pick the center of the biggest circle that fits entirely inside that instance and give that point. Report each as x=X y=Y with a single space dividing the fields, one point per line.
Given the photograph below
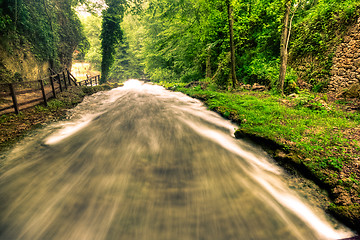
x=141 y=162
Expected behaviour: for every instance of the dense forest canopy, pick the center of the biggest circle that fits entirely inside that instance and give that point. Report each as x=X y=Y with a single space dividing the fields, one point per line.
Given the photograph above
x=92 y=30
x=51 y=27
x=188 y=40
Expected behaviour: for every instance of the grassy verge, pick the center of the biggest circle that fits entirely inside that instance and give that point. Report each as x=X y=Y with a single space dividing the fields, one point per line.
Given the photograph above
x=304 y=131
x=13 y=127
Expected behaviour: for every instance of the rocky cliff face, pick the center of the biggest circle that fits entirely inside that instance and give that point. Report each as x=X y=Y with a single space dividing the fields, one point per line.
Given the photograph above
x=345 y=72
x=18 y=63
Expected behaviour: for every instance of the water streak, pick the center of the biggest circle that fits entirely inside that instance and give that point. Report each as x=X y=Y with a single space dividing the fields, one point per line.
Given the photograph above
x=141 y=162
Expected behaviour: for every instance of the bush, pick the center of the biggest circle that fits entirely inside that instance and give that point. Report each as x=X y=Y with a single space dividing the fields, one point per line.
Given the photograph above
x=290 y=85
x=87 y=90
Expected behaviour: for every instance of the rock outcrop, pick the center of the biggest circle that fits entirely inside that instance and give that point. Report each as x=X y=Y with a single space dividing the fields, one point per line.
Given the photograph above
x=346 y=62
x=20 y=64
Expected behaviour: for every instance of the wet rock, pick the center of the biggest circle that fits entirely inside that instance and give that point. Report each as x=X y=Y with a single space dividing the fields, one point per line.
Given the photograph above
x=347 y=39
x=357 y=62
x=257 y=87
x=293 y=95
x=246 y=86
x=352 y=92
x=280 y=154
x=240 y=134
x=342 y=196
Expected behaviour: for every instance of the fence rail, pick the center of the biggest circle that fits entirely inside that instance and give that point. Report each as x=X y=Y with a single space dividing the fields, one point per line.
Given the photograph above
x=92 y=81
x=22 y=95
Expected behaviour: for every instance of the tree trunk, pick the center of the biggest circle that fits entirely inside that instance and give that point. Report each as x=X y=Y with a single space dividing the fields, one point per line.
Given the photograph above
x=16 y=14
x=208 y=63
x=221 y=66
x=51 y=60
x=283 y=46
x=232 y=47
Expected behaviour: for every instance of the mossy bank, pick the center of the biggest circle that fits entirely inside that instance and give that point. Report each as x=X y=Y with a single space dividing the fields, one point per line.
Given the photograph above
x=306 y=132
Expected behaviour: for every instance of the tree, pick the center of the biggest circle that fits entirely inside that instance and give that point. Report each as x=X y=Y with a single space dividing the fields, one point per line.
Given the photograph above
x=128 y=61
x=285 y=33
x=92 y=30
x=232 y=46
x=285 y=38
x=50 y=27
x=111 y=34
x=173 y=46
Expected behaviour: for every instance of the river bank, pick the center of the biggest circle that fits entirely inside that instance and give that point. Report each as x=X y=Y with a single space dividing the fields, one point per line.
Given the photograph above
x=156 y=164
x=307 y=132
x=14 y=127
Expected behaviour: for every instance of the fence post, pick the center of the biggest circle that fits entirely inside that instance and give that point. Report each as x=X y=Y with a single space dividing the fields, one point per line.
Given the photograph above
x=43 y=92
x=52 y=86
x=59 y=79
x=68 y=76
x=63 y=73
x=13 y=95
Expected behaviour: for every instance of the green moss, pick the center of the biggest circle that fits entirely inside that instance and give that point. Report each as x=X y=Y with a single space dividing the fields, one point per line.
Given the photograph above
x=314 y=131
x=350 y=214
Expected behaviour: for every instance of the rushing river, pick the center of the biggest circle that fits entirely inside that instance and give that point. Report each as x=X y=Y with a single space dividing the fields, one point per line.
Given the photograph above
x=140 y=162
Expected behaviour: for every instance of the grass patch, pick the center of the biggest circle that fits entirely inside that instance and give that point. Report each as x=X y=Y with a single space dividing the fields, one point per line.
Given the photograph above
x=322 y=138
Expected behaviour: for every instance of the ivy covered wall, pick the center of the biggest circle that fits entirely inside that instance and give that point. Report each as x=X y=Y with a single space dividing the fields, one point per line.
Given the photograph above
x=46 y=32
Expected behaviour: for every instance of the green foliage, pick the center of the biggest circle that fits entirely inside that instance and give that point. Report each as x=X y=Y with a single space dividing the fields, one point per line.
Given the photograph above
x=317 y=31
x=258 y=54
x=92 y=30
x=71 y=35
x=291 y=82
x=174 y=39
x=260 y=70
x=55 y=104
x=51 y=27
x=129 y=62
x=309 y=131
x=111 y=34
x=87 y=90
x=180 y=37
x=5 y=22
x=126 y=65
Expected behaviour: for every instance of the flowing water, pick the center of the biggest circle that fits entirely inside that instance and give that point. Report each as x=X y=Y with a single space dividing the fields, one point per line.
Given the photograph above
x=140 y=162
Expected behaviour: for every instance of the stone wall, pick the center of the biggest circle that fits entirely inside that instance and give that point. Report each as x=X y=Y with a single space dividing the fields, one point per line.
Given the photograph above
x=346 y=62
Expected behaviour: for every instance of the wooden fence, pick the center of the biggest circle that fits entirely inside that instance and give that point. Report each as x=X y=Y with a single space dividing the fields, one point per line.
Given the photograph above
x=22 y=95
x=90 y=81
